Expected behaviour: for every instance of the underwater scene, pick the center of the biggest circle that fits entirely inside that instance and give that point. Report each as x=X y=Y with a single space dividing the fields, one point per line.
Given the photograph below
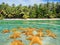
x=29 y=32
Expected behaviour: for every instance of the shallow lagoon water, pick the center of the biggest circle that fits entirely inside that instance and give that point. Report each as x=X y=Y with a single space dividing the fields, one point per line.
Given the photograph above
x=53 y=25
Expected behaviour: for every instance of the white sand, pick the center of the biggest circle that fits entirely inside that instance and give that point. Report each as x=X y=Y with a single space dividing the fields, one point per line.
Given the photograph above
x=35 y=19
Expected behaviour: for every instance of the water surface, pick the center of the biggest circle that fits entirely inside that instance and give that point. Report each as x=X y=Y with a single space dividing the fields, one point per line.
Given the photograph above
x=53 y=25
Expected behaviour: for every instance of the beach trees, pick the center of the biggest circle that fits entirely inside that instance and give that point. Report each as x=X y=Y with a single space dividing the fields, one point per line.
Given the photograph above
x=26 y=15
x=46 y=10
x=58 y=10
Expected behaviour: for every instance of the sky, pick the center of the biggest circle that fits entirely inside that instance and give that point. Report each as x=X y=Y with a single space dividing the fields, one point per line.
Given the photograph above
x=26 y=2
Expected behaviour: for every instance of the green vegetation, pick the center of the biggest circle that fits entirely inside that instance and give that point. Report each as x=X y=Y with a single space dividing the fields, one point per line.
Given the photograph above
x=47 y=10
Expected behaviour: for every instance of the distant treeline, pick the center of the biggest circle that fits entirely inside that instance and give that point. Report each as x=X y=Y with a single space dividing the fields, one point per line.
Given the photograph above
x=46 y=10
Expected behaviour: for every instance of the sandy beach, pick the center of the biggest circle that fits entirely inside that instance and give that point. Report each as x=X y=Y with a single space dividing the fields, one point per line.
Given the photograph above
x=35 y=19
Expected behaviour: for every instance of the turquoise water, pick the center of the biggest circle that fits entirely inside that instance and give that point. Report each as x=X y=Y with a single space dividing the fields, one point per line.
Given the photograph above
x=53 y=25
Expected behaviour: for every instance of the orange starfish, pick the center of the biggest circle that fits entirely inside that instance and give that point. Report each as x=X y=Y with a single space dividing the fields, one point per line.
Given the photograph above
x=6 y=31
x=15 y=35
x=34 y=40
x=40 y=32
x=16 y=42
x=49 y=33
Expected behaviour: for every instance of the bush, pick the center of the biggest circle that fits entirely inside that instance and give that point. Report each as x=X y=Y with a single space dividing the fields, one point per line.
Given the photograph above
x=1 y=17
x=25 y=16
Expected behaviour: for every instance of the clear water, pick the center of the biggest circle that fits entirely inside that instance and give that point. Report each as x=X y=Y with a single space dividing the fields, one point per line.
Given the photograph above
x=53 y=25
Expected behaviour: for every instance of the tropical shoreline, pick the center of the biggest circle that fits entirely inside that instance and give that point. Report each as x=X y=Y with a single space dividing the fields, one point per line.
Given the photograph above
x=35 y=19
